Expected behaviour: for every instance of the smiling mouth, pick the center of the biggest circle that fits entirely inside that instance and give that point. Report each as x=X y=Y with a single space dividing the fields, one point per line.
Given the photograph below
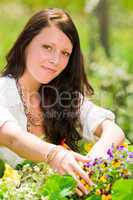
x=49 y=69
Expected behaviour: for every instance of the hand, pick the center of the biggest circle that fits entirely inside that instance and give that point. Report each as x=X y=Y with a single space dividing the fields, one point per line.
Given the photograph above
x=66 y=161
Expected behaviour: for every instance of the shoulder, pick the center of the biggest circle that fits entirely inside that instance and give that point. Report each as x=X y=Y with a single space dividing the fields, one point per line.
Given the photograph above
x=6 y=82
x=7 y=90
x=93 y=111
x=91 y=116
x=85 y=106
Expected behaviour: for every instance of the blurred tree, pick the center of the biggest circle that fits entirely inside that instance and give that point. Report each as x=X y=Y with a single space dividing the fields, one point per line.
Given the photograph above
x=102 y=12
x=99 y=10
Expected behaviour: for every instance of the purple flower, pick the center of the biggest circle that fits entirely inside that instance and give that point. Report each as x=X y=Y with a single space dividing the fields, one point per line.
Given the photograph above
x=122 y=156
x=120 y=148
x=95 y=162
x=89 y=164
x=110 y=153
x=130 y=154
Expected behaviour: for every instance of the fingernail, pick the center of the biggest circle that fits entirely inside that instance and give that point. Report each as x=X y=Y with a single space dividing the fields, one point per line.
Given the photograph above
x=81 y=194
x=92 y=184
x=86 y=192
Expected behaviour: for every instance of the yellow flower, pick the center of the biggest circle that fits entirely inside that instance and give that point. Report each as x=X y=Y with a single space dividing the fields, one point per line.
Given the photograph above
x=98 y=192
x=88 y=146
x=106 y=197
x=103 y=179
x=108 y=187
x=103 y=165
x=88 y=187
x=125 y=145
x=83 y=181
x=116 y=163
x=124 y=171
x=11 y=174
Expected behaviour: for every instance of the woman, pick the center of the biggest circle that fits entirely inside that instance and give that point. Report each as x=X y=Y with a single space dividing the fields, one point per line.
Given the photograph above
x=42 y=90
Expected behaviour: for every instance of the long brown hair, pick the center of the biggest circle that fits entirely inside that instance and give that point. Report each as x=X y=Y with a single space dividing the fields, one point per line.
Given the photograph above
x=62 y=118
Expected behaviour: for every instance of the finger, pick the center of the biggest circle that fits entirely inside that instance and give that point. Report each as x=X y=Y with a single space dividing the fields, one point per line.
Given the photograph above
x=79 y=193
x=81 y=158
x=80 y=185
x=82 y=174
x=62 y=172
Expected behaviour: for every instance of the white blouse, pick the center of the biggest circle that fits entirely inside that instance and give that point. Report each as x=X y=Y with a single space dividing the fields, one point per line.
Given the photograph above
x=12 y=109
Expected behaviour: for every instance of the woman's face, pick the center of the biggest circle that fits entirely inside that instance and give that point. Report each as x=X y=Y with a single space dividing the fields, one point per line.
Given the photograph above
x=48 y=54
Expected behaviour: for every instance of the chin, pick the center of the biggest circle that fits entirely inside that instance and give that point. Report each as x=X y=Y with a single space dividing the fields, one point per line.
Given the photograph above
x=46 y=81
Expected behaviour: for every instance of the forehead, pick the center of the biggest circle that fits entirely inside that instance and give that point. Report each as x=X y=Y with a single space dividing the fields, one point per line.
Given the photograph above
x=55 y=36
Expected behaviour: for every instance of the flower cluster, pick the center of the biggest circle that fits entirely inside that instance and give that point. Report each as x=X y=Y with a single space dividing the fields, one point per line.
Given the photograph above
x=104 y=173
x=24 y=182
x=29 y=179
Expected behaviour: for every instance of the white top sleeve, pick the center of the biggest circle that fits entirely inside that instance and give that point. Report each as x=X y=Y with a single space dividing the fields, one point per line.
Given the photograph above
x=5 y=115
x=8 y=98
x=91 y=117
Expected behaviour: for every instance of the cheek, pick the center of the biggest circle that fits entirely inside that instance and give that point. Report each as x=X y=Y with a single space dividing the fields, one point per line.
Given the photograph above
x=63 y=64
x=34 y=57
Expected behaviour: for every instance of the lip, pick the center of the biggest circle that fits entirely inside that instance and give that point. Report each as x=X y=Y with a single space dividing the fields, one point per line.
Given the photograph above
x=49 y=69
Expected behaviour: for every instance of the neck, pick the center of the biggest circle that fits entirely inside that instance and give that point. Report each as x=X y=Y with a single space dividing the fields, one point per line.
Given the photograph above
x=29 y=87
x=29 y=84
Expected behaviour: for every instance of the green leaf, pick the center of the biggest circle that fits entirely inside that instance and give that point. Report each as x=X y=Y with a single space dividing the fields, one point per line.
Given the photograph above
x=130 y=167
x=29 y=162
x=58 y=187
x=130 y=148
x=122 y=189
x=2 y=168
x=94 y=197
x=3 y=189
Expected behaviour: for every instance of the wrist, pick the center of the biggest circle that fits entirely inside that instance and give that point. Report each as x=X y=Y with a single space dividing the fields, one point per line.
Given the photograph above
x=52 y=152
x=49 y=148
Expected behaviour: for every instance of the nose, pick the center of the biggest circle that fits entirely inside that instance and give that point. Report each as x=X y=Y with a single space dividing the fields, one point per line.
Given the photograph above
x=55 y=58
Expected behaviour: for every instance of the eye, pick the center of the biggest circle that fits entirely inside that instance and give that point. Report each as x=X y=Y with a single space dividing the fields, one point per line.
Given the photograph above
x=48 y=47
x=66 y=54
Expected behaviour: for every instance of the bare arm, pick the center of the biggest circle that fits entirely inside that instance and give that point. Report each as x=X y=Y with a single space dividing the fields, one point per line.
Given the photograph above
x=32 y=148
x=26 y=145
x=109 y=133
